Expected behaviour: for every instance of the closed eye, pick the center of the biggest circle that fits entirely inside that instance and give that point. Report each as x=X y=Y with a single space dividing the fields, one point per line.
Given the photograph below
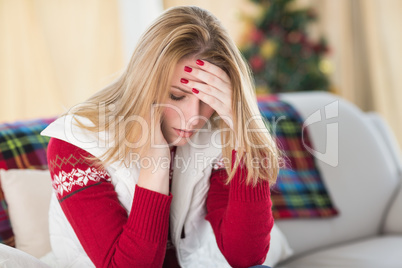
x=175 y=98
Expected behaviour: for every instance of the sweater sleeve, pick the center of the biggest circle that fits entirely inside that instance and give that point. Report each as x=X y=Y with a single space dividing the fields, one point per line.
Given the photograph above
x=110 y=237
x=240 y=216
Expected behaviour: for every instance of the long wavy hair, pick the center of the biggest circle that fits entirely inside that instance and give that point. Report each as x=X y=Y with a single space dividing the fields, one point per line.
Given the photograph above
x=177 y=33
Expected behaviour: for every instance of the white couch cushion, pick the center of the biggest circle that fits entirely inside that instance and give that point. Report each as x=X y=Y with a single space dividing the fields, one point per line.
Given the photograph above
x=393 y=220
x=361 y=180
x=27 y=193
x=384 y=252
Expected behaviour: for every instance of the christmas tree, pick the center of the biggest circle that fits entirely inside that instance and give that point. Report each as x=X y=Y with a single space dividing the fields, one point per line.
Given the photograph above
x=281 y=55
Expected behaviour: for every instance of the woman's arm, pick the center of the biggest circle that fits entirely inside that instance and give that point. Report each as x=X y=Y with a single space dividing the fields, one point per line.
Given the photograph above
x=241 y=218
x=110 y=237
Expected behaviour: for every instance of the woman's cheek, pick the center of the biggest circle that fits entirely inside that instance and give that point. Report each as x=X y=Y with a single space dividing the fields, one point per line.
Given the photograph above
x=171 y=113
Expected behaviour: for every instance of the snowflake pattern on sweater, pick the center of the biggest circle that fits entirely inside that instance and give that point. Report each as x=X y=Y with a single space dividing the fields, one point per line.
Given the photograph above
x=63 y=182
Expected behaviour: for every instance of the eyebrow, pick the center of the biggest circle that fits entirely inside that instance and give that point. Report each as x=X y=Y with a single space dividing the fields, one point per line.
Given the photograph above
x=185 y=91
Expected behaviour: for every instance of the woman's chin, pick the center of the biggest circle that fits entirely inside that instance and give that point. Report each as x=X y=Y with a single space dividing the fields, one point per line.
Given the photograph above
x=178 y=141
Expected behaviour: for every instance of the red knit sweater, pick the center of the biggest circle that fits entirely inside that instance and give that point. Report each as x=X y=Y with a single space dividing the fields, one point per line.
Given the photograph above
x=240 y=215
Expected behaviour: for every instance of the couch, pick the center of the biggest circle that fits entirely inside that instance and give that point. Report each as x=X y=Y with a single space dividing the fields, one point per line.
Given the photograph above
x=358 y=158
x=361 y=166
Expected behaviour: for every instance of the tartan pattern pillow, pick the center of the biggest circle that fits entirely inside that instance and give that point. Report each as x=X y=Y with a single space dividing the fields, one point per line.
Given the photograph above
x=299 y=191
x=21 y=147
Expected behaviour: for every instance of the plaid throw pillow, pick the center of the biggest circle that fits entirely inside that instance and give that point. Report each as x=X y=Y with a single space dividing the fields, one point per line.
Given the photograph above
x=22 y=147
x=299 y=191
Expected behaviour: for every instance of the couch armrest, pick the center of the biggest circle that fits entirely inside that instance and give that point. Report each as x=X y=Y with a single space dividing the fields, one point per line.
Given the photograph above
x=393 y=217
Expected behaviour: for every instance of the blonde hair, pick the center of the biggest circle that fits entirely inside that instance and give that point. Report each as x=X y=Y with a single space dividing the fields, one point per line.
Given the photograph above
x=177 y=33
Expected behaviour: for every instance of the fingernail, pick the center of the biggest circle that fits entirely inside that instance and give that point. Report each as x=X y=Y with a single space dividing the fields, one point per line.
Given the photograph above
x=200 y=62
x=195 y=91
x=188 y=69
x=184 y=81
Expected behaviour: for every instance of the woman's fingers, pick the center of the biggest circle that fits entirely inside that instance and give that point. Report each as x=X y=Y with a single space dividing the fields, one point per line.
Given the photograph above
x=215 y=88
x=211 y=75
x=204 y=88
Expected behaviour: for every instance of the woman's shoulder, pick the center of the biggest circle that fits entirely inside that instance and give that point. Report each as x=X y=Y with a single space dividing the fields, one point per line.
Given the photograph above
x=70 y=127
x=60 y=152
x=58 y=147
x=71 y=169
x=66 y=129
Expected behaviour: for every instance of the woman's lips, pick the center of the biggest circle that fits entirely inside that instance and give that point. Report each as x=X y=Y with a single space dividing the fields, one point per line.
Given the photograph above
x=184 y=134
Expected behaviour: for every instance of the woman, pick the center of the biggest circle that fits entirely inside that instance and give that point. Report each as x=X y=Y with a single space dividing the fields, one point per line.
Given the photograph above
x=159 y=169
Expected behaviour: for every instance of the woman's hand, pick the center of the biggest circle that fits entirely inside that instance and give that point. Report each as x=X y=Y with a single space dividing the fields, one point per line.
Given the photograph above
x=159 y=145
x=155 y=162
x=216 y=91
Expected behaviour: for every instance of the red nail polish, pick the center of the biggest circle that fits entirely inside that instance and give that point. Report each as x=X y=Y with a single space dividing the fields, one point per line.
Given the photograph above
x=184 y=81
x=195 y=91
x=188 y=69
x=200 y=62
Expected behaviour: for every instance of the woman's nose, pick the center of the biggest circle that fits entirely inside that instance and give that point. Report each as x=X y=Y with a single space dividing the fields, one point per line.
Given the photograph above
x=193 y=113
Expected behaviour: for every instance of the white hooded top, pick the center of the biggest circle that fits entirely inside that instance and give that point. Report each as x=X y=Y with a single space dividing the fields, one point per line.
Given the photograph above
x=190 y=185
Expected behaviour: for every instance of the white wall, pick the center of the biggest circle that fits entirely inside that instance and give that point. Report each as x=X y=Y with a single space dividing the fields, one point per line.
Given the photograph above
x=136 y=16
